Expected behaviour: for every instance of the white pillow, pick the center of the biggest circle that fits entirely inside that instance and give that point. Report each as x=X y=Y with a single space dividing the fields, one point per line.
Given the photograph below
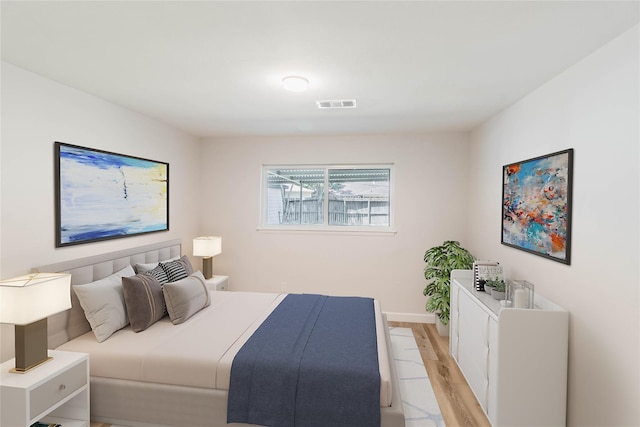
x=103 y=303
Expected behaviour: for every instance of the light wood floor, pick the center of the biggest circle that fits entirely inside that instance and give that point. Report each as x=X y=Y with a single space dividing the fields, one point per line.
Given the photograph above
x=458 y=404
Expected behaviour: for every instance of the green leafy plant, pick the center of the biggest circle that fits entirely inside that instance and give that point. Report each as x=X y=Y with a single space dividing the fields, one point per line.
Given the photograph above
x=441 y=260
x=497 y=284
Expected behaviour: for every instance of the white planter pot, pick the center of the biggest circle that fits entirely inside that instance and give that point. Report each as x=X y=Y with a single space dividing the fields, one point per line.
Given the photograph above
x=498 y=295
x=443 y=330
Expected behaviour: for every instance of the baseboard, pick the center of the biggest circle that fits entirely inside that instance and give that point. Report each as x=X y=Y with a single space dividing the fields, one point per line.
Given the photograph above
x=411 y=317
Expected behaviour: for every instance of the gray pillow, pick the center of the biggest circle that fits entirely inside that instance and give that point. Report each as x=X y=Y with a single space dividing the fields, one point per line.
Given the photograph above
x=186 y=297
x=144 y=300
x=143 y=268
x=103 y=303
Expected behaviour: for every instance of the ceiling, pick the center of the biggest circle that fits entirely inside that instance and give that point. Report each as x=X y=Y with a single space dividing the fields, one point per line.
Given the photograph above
x=214 y=68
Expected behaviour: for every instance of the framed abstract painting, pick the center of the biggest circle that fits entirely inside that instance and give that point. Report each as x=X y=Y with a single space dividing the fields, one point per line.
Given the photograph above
x=536 y=205
x=102 y=195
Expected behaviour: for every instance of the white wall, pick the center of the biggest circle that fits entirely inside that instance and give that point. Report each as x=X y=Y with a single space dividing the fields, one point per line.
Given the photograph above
x=593 y=107
x=35 y=113
x=430 y=201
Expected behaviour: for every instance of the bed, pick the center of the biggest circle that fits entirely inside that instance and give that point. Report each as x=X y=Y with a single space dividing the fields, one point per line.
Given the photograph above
x=178 y=374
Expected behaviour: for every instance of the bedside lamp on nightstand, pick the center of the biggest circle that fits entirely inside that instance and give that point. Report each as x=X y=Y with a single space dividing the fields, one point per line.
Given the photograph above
x=207 y=247
x=26 y=302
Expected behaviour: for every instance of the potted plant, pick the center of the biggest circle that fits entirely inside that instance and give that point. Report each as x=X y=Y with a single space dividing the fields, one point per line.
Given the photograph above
x=441 y=260
x=498 y=288
x=489 y=284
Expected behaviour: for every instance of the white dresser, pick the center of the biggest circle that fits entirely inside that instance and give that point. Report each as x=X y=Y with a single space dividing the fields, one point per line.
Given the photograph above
x=515 y=360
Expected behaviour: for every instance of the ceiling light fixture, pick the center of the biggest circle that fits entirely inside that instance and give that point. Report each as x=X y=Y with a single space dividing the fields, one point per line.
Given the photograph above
x=295 y=83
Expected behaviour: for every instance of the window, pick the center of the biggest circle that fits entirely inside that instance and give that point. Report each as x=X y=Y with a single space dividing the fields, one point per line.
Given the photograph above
x=327 y=197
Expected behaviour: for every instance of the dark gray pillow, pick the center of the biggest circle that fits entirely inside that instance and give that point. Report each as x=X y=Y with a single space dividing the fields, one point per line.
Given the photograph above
x=144 y=300
x=184 y=260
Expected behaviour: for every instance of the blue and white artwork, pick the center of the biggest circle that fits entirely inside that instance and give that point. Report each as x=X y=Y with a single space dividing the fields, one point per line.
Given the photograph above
x=103 y=195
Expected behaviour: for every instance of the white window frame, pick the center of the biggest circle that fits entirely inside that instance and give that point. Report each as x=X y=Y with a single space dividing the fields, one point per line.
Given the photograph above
x=325 y=227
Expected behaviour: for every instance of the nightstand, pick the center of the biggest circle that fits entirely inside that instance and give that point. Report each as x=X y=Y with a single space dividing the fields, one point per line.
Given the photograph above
x=54 y=392
x=218 y=283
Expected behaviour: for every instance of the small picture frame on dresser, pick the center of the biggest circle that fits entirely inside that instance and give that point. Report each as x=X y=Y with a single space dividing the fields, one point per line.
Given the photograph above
x=485 y=270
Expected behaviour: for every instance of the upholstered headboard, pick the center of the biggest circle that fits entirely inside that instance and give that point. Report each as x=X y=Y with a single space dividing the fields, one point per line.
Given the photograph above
x=72 y=323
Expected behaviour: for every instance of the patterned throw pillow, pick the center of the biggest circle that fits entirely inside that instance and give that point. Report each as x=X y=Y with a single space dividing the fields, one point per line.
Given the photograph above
x=159 y=274
x=175 y=270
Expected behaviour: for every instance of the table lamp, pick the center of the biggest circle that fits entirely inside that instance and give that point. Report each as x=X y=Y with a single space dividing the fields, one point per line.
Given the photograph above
x=207 y=247
x=26 y=302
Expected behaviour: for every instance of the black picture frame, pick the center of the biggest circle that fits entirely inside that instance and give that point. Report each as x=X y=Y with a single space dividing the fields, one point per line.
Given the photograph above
x=102 y=195
x=537 y=205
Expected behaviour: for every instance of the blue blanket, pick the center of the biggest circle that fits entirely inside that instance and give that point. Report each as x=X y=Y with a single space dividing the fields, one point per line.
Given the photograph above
x=312 y=363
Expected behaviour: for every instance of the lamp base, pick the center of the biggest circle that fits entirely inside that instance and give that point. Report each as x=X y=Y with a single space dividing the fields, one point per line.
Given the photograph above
x=31 y=345
x=24 y=371
x=207 y=267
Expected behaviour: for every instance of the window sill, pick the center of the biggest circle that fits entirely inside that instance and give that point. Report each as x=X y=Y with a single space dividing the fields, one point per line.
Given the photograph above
x=343 y=231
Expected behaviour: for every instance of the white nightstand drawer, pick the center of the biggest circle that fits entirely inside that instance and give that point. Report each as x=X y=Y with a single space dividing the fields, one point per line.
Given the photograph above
x=218 y=283
x=61 y=386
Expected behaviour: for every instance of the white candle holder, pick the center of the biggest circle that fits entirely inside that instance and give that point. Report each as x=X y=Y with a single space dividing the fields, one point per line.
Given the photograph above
x=519 y=294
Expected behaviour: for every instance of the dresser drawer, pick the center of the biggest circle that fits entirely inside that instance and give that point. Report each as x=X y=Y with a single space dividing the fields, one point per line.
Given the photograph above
x=59 y=387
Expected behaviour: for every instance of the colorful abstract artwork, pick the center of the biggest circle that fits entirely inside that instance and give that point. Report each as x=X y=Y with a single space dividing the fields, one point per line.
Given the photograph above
x=103 y=195
x=536 y=205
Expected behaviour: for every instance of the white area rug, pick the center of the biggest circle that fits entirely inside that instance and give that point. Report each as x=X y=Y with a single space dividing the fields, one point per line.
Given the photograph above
x=420 y=405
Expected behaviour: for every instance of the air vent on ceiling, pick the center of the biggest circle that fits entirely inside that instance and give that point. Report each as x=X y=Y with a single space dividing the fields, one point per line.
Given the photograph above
x=337 y=103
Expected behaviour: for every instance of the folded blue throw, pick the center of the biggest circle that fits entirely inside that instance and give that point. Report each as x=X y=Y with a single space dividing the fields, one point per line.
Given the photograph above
x=312 y=363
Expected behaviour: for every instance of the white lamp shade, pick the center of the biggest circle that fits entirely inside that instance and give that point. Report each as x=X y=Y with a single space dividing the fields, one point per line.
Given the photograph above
x=207 y=246
x=27 y=299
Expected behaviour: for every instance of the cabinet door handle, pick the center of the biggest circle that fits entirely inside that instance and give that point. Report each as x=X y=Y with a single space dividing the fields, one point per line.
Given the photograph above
x=488 y=366
x=62 y=387
x=487 y=333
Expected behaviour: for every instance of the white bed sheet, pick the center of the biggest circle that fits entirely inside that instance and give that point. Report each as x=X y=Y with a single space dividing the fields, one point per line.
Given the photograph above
x=199 y=352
